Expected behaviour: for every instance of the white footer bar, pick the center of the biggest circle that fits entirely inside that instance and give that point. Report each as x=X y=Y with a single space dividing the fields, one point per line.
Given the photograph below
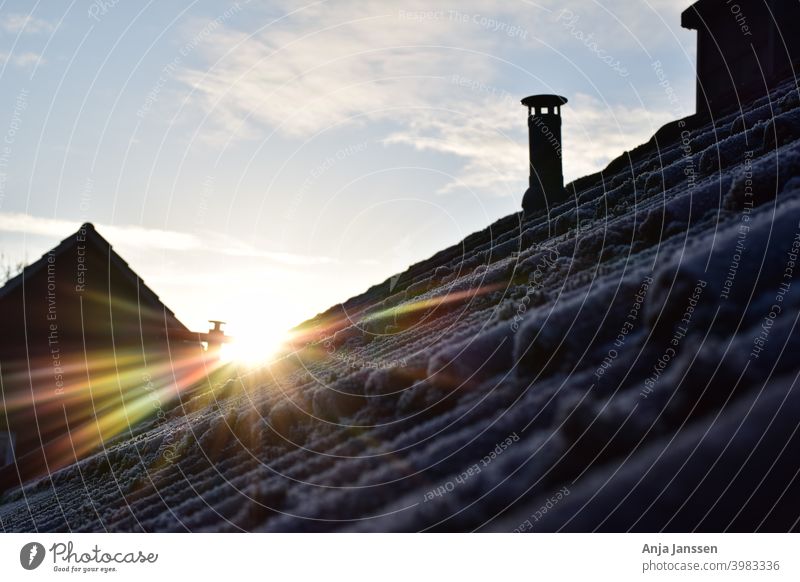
x=400 y=557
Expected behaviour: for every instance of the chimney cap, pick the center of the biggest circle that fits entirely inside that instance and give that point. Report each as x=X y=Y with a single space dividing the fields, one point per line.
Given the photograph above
x=217 y=325
x=544 y=101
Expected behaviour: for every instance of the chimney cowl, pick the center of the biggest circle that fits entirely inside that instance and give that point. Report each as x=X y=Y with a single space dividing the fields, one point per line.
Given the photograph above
x=544 y=101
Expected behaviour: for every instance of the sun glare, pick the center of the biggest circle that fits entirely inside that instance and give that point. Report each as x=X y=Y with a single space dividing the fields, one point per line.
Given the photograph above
x=252 y=346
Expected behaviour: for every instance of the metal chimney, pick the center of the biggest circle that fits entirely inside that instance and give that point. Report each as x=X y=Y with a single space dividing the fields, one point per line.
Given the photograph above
x=215 y=338
x=546 y=185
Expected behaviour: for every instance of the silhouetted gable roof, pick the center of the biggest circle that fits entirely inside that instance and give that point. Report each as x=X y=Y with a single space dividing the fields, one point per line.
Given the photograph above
x=91 y=237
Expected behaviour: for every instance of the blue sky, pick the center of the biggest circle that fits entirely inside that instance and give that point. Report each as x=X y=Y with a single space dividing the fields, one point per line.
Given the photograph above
x=274 y=158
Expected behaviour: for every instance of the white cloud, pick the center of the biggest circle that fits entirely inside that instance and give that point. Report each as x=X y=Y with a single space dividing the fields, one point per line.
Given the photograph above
x=596 y=132
x=139 y=238
x=25 y=23
x=22 y=60
x=621 y=24
x=491 y=137
x=342 y=67
x=355 y=63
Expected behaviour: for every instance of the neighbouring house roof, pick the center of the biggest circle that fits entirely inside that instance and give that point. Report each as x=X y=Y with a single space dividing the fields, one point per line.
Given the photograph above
x=90 y=236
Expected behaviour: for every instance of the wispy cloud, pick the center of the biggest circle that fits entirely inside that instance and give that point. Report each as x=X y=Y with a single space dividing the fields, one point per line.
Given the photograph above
x=25 y=23
x=493 y=142
x=21 y=60
x=139 y=237
x=346 y=65
x=364 y=62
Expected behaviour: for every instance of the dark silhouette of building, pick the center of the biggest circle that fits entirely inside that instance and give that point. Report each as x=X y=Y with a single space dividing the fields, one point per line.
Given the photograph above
x=215 y=337
x=546 y=183
x=744 y=48
x=87 y=351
